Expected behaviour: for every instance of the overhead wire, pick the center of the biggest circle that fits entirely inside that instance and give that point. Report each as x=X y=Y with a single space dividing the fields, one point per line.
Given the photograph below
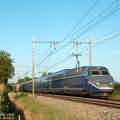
x=100 y=15
x=63 y=58
x=84 y=31
x=70 y=32
x=79 y=21
x=117 y=34
x=105 y=38
x=93 y=24
x=88 y=28
x=46 y=53
x=42 y=56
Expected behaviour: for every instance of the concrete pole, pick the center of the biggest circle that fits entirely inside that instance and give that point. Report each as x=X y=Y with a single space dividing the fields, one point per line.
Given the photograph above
x=90 y=51
x=17 y=78
x=33 y=40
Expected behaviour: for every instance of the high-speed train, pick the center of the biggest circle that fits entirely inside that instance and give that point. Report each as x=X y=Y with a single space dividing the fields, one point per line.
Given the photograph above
x=84 y=81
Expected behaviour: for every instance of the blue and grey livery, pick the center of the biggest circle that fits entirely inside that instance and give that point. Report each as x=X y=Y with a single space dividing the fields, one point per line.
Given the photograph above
x=84 y=81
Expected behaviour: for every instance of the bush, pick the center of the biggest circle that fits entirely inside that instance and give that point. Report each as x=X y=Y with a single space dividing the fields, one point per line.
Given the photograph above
x=9 y=88
x=116 y=93
x=17 y=96
x=117 y=86
x=5 y=102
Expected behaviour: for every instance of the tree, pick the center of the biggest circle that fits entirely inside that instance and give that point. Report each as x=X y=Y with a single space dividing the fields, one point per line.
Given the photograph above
x=24 y=80
x=46 y=73
x=6 y=67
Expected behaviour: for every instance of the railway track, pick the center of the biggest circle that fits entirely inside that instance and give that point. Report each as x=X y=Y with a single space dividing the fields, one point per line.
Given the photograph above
x=113 y=103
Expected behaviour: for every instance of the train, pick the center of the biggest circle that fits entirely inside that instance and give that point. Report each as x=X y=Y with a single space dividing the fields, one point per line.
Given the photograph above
x=92 y=81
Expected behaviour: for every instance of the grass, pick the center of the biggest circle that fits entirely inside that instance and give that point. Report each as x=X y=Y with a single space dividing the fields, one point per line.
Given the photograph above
x=17 y=96
x=42 y=111
x=116 y=93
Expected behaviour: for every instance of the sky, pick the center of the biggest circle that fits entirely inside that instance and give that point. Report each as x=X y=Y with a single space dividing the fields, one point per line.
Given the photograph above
x=65 y=22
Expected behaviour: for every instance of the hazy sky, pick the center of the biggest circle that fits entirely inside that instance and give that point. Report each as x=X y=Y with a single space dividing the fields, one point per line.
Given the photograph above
x=53 y=20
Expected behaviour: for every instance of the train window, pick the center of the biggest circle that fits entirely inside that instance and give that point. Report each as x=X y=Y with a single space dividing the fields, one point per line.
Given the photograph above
x=95 y=72
x=57 y=76
x=105 y=73
x=44 y=78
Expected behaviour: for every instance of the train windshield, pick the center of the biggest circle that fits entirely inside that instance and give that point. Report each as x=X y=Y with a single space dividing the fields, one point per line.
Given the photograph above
x=98 y=72
x=95 y=72
x=105 y=72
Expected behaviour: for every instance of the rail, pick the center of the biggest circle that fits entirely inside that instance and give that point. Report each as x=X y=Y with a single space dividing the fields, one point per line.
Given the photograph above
x=113 y=103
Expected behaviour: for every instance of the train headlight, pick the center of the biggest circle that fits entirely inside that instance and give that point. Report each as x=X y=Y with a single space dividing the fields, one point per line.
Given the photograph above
x=111 y=83
x=97 y=83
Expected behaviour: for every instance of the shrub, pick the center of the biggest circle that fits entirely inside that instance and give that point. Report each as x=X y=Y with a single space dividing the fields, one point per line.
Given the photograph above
x=17 y=96
x=5 y=102
x=117 y=86
x=116 y=93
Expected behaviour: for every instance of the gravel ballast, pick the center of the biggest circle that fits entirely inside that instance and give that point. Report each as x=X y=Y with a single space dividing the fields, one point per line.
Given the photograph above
x=89 y=111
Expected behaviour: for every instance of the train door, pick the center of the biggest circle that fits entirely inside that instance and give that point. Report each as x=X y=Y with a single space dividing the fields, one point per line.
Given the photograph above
x=49 y=85
x=65 y=83
x=85 y=86
x=85 y=83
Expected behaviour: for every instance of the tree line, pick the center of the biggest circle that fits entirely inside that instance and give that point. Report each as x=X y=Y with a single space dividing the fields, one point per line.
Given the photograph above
x=25 y=79
x=6 y=73
x=6 y=67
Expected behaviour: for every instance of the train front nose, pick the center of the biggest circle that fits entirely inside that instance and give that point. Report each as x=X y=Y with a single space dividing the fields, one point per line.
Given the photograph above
x=101 y=82
x=104 y=84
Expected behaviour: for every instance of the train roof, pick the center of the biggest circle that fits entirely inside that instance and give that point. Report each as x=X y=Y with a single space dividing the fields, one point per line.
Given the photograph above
x=89 y=67
x=98 y=67
x=65 y=70
x=61 y=71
